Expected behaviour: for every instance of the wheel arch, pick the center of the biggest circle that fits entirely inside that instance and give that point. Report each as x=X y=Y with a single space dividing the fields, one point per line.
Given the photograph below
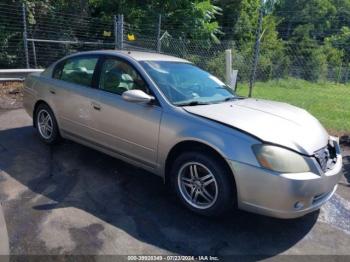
x=37 y=103
x=193 y=145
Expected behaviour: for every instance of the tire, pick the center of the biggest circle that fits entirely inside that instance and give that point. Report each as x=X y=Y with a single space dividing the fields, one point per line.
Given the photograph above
x=214 y=176
x=48 y=135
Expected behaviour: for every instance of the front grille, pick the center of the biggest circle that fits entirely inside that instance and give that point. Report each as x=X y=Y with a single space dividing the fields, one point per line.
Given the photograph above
x=322 y=157
x=326 y=157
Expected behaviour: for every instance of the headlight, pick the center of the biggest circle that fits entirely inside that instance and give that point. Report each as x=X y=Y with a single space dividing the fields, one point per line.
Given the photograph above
x=279 y=159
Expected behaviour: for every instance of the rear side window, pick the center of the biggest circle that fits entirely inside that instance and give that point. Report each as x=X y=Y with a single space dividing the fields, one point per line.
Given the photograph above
x=77 y=70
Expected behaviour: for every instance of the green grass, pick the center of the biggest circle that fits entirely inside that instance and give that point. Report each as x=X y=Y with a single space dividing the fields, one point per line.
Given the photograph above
x=328 y=102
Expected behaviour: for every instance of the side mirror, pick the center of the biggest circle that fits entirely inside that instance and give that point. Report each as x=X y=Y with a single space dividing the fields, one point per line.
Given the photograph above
x=137 y=96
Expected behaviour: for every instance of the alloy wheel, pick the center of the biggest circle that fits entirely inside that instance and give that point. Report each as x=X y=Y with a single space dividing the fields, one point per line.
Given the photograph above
x=45 y=124
x=197 y=185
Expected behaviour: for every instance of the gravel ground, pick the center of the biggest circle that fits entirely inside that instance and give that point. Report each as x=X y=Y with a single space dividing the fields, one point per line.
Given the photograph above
x=11 y=95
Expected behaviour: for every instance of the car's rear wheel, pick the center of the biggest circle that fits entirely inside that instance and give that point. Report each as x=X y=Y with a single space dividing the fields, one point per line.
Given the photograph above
x=46 y=124
x=203 y=183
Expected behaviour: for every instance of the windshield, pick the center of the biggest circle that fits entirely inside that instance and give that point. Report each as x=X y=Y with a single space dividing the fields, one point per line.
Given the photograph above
x=186 y=84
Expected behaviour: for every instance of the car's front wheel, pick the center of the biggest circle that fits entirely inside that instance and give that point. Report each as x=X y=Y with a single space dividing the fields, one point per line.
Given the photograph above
x=46 y=124
x=203 y=183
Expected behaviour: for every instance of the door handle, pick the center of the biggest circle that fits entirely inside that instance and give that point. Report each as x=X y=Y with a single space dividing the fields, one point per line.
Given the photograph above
x=52 y=92
x=96 y=106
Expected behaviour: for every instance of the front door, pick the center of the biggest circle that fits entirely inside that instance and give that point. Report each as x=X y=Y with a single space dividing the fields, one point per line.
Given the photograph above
x=130 y=129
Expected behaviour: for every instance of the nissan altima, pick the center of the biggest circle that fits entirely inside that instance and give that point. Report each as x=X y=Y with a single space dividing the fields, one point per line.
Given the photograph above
x=217 y=150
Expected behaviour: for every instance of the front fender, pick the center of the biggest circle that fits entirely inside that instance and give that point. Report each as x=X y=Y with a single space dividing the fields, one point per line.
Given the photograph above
x=229 y=143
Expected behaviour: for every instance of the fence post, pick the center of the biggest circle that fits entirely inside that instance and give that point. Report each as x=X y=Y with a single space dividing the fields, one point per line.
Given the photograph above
x=159 y=43
x=115 y=25
x=121 y=31
x=34 y=54
x=25 y=39
x=256 y=50
x=228 y=64
x=340 y=73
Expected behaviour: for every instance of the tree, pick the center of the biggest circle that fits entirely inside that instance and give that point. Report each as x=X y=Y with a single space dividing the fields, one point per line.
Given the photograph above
x=247 y=21
x=341 y=41
x=274 y=60
x=182 y=18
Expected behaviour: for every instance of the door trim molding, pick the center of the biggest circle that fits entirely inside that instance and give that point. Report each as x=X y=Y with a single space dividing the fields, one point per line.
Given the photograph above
x=108 y=134
x=124 y=155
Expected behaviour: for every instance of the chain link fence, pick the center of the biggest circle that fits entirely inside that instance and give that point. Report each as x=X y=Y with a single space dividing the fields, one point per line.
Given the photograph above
x=299 y=75
x=11 y=37
x=37 y=41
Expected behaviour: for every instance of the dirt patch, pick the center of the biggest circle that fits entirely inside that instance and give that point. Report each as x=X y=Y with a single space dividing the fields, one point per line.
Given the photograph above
x=11 y=95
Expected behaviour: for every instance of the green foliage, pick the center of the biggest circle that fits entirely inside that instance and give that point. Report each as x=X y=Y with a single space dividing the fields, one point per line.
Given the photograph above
x=274 y=61
x=315 y=14
x=205 y=13
x=246 y=24
x=312 y=31
x=182 y=18
x=7 y=56
x=308 y=39
x=11 y=43
x=342 y=41
x=216 y=67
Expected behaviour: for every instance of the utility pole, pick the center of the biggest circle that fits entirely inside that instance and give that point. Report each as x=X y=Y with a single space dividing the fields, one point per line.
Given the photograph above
x=25 y=37
x=256 y=49
x=159 y=43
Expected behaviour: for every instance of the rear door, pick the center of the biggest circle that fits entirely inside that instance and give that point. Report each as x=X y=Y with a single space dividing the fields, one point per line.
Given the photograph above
x=74 y=96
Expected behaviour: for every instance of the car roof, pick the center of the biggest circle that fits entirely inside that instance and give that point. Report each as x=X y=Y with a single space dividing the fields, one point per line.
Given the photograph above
x=140 y=56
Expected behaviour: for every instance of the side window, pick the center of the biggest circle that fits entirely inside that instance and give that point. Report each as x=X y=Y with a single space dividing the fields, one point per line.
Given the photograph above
x=77 y=70
x=118 y=76
x=57 y=71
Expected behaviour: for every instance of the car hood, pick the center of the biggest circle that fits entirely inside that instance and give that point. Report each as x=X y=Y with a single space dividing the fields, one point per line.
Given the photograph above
x=272 y=122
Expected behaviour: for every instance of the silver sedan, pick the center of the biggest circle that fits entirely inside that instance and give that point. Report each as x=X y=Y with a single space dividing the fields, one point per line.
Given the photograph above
x=217 y=150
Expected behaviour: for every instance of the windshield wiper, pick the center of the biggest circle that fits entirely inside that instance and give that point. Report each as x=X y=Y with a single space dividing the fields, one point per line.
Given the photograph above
x=230 y=98
x=234 y=98
x=192 y=103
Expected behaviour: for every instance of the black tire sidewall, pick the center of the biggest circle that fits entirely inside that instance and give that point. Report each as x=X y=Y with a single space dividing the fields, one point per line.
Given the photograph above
x=226 y=188
x=55 y=131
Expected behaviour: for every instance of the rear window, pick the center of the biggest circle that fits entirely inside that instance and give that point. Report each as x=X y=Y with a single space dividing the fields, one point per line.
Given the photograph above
x=77 y=70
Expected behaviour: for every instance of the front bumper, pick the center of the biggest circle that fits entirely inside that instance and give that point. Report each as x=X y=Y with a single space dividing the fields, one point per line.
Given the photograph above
x=283 y=195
